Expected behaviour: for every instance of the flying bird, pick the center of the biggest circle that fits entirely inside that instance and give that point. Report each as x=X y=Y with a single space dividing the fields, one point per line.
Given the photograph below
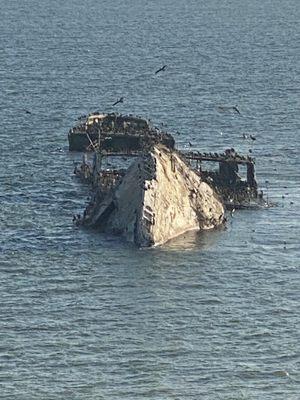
x=27 y=111
x=236 y=109
x=121 y=100
x=225 y=108
x=161 y=69
x=252 y=137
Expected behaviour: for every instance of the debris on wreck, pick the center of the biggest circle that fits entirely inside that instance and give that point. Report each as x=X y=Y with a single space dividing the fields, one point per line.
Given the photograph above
x=116 y=132
x=152 y=193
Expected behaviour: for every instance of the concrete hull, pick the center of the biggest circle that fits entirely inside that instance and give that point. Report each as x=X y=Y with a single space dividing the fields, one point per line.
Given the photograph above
x=159 y=198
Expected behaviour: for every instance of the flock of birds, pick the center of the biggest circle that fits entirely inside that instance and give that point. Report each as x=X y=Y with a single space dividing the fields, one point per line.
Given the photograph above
x=162 y=69
x=219 y=108
x=220 y=155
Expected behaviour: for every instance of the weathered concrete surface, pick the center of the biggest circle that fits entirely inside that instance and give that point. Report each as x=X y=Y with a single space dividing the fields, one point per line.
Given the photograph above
x=159 y=198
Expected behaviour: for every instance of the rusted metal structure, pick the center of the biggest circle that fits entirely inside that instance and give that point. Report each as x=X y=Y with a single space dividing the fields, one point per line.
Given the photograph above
x=117 y=133
x=236 y=191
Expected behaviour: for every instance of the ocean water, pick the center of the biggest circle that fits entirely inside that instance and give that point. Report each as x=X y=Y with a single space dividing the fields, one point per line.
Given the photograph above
x=207 y=316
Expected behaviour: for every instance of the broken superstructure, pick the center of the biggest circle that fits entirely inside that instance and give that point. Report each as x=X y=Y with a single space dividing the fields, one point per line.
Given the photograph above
x=236 y=191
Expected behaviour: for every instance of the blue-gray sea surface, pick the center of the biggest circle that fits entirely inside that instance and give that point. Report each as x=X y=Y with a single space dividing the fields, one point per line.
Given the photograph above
x=207 y=316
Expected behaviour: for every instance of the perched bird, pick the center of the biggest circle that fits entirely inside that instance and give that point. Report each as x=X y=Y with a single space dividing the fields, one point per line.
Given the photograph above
x=190 y=144
x=121 y=100
x=245 y=136
x=161 y=69
x=250 y=151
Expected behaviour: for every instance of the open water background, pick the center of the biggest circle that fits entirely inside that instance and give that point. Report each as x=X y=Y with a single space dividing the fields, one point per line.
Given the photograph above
x=208 y=316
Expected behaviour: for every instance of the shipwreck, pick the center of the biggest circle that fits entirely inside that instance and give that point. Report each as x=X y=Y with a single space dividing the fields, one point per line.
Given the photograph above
x=152 y=192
